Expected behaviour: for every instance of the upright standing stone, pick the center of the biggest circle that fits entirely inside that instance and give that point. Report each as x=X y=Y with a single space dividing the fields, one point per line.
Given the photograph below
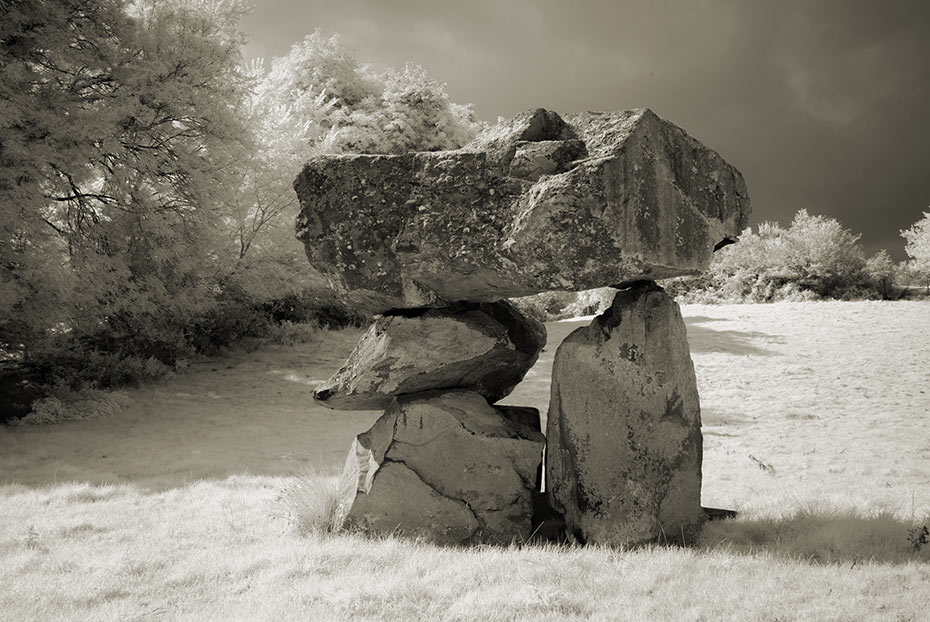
x=623 y=463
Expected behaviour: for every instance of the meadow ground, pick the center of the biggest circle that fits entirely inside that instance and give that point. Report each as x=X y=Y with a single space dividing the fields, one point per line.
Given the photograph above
x=816 y=420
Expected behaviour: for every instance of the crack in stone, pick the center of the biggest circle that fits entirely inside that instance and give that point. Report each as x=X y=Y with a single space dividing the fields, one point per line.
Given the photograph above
x=481 y=523
x=427 y=441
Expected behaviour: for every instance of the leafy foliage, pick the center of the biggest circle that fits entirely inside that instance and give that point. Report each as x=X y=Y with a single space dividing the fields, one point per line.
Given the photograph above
x=145 y=177
x=882 y=273
x=340 y=106
x=560 y=305
x=318 y=99
x=917 y=247
x=117 y=130
x=815 y=257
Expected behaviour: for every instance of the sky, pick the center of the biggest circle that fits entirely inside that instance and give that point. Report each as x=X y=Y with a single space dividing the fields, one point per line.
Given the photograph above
x=821 y=104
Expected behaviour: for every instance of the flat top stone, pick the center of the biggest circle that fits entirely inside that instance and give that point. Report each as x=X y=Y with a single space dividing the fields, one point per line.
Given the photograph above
x=540 y=202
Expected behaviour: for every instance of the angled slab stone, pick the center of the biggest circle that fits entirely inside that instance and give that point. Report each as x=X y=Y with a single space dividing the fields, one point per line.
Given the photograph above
x=623 y=460
x=446 y=467
x=483 y=347
x=537 y=203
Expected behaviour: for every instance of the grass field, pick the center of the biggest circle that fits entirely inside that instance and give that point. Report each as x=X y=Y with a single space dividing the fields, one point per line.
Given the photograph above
x=180 y=507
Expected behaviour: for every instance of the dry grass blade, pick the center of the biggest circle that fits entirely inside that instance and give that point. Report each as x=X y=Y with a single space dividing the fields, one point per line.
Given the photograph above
x=315 y=501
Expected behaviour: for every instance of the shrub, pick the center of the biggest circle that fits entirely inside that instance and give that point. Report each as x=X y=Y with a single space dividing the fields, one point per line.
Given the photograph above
x=917 y=247
x=545 y=306
x=590 y=302
x=814 y=258
x=67 y=363
x=67 y=405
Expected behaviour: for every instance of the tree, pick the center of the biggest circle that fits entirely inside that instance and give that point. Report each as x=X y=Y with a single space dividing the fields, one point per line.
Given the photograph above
x=354 y=109
x=814 y=257
x=146 y=175
x=882 y=271
x=318 y=99
x=117 y=134
x=822 y=255
x=917 y=247
x=408 y=112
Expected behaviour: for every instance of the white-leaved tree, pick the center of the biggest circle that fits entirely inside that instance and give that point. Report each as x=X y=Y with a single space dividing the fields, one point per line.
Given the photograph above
x=882 y=271
x=146 y=173
x=314 y=100
x=917 y=247
x=822 y=254
x=813 y=257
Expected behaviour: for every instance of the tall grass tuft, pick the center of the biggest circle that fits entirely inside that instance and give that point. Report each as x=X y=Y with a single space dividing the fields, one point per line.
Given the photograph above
x=315 y=502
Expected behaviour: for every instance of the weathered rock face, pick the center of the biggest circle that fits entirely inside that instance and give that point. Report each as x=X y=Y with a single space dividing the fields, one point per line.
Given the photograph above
x=447 y=467
x=535 y=204
x=623 y=462
x=487 y=348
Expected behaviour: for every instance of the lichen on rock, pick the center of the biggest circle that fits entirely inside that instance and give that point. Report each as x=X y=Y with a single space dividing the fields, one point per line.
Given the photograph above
x=534 y=204
x=624 y=438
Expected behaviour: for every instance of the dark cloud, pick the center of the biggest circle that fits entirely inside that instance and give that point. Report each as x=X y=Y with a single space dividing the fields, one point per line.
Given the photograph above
x=821 y=103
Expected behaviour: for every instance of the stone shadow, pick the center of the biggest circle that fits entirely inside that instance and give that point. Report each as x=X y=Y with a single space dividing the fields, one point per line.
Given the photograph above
x=702 y=319
x=821 y=537
x=713 y=417
x=703 y=339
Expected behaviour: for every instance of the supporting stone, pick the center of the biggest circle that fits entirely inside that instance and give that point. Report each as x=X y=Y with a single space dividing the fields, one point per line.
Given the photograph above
x=446 y=467
x=623 y=463
x=486 y=348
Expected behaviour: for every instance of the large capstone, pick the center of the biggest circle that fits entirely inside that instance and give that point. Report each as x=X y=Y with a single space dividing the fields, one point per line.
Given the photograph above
x=623 y=461
x=534 y=204
x=446 y=467
x=482 y=347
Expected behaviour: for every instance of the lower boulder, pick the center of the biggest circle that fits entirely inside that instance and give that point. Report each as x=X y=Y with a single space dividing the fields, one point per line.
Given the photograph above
x=623 y=461
x=447 y=467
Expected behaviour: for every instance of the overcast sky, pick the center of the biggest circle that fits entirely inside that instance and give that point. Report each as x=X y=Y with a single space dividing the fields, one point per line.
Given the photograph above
x=822 y=104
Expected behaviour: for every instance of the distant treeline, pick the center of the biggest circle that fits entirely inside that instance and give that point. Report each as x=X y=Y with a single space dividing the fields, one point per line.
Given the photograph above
x=814 y=258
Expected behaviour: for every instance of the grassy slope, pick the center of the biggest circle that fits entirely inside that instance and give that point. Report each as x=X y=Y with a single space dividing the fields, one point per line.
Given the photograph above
x=171 y=509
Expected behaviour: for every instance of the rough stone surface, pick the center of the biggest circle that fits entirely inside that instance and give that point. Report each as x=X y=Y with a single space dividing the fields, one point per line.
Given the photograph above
x=623 y=462
x=525 y=416
x=537 y=203
x=446 y=467
x=484 y=347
